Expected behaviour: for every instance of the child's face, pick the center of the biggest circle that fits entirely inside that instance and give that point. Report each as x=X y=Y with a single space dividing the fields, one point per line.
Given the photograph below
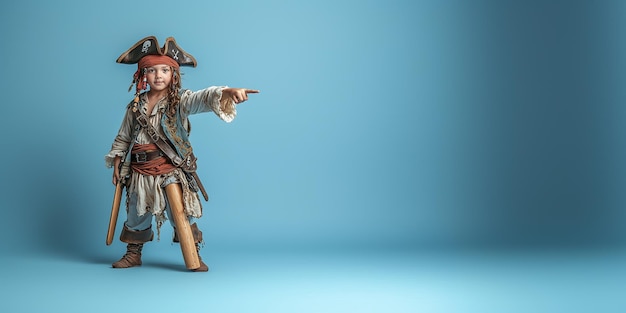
x=159 y=77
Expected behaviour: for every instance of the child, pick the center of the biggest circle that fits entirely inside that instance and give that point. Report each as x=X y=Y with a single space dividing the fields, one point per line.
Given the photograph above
x=155 y=128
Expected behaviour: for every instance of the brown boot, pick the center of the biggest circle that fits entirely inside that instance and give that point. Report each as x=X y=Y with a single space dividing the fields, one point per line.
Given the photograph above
x=131 y=258
x=135 y=240
x=203 y=267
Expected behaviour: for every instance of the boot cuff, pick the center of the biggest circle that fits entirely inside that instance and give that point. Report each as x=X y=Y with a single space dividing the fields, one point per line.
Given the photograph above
x=136 y=236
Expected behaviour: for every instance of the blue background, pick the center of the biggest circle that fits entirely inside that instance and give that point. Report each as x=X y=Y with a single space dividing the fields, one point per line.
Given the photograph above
x=393 y=128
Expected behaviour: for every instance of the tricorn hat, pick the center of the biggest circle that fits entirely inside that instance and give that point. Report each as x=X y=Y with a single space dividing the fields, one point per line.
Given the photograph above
x=150 y=46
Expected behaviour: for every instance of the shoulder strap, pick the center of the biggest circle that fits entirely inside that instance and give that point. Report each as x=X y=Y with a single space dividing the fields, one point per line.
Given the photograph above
x=165 y=147
x=188 y=164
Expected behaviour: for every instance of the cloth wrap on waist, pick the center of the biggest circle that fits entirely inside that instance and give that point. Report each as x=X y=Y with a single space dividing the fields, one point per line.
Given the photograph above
x=156 y=166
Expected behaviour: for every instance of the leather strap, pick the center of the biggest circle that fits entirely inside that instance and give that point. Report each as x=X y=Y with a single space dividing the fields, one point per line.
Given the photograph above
x=188 y=164
x=142 y=119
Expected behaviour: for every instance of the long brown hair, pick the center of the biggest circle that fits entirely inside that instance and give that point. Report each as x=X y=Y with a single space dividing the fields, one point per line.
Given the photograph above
x=173 y=96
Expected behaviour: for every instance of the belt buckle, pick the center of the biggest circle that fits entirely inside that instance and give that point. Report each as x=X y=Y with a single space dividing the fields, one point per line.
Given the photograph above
x=141 y=157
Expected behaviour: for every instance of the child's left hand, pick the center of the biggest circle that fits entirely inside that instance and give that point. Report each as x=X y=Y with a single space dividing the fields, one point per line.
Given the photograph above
x=238 y=95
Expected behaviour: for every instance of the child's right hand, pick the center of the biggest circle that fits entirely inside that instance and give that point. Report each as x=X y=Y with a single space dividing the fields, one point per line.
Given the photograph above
x=116 y=170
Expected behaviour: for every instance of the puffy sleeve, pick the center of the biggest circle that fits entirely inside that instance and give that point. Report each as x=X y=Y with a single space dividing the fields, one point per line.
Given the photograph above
x=122 y=141
x=208 y=99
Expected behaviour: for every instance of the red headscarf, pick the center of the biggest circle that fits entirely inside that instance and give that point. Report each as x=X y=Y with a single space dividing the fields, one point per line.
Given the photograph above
x=152 y=60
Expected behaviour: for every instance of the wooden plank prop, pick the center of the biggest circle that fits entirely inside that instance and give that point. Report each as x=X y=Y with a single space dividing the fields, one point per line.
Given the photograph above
x=183 y=229
x=115 y=210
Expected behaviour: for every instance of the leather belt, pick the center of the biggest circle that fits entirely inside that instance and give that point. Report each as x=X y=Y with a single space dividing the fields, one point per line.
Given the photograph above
x=142 y=157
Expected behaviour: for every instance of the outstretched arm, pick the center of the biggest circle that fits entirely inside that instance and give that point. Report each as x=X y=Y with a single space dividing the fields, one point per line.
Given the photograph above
x=219 y=99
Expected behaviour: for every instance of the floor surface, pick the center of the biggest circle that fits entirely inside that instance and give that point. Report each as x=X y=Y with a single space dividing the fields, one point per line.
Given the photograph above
x=319 y=281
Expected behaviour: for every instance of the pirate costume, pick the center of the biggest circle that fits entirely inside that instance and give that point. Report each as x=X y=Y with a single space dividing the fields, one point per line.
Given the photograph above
x=148 y=168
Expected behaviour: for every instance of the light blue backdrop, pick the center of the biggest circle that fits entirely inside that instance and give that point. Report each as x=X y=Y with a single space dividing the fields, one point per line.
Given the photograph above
x=379 y=123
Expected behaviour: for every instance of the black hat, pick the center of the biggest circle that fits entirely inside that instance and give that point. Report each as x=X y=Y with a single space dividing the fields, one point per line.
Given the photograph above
x=150 y=46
